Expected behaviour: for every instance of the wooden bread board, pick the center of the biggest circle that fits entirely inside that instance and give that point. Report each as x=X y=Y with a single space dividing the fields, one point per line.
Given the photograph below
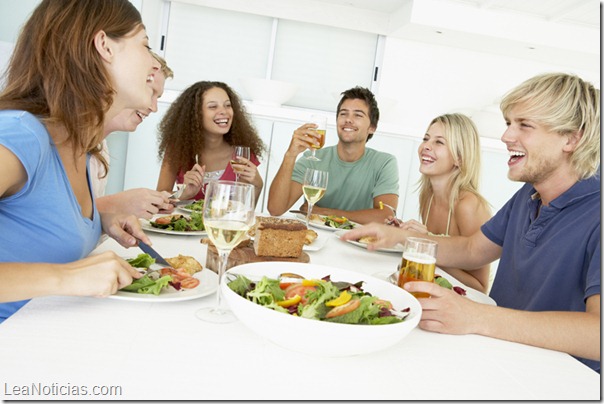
x=243 y=254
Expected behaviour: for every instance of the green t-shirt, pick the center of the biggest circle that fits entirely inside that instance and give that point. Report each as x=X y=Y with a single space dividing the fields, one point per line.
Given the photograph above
x=352 y=186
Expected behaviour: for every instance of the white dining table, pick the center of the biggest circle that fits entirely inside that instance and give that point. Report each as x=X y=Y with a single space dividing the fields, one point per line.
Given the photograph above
x=62 y=347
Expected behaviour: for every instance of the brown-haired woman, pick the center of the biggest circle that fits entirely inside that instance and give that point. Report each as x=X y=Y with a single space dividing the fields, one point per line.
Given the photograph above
x=60 y=91
x=197 y=136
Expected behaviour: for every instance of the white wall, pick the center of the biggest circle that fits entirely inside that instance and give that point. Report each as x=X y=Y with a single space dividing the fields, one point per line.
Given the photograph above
x=428 y=79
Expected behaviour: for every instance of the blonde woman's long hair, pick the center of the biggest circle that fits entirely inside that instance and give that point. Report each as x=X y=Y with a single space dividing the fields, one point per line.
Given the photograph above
x=463 y=143
x=565 y=104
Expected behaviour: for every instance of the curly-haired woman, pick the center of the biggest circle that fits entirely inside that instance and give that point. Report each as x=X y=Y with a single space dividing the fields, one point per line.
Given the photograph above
x=197 y=136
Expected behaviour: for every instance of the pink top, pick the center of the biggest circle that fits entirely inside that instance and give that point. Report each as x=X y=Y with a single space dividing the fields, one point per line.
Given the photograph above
x=227 y=175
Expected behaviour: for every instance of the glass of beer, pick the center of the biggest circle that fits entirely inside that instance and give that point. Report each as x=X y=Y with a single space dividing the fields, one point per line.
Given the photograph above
x=419 y=262
x=321 y=122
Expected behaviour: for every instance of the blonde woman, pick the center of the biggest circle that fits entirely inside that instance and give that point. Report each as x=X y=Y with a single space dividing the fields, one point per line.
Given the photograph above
x=449 y=201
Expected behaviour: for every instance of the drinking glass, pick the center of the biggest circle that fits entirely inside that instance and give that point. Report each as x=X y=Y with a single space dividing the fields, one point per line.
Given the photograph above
x=418 y=263
x=239 y=151
x=315 y=184
x=321 y=122
x=228 y=213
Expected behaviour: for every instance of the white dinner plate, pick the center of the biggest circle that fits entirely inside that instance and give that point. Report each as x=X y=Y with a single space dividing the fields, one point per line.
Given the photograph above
x=471 y=294
x=398 y=249
x=146 y=225
x=188 y=210
x=322 y=226
x=317 y=244
x=208 y=283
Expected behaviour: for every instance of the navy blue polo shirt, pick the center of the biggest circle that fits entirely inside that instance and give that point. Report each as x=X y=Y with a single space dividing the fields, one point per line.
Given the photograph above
x=549 y=262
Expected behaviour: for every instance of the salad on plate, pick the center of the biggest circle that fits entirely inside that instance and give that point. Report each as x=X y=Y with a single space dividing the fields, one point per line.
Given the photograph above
x=177 y=222
x=196 y=206
x=330 y=222
x=154 y=281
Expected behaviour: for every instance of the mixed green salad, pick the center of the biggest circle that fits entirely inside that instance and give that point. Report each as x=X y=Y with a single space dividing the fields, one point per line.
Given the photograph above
x=318 y=299
x=150 y=283
x=194 y=222
x=338 y=222
x=156 y=281
x=197 y=206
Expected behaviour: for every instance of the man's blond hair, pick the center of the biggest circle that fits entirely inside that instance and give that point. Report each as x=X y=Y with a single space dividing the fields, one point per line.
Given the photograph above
x=565 y=104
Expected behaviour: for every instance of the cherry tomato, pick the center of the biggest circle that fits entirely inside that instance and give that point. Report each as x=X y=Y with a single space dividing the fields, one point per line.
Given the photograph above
x=300 y=290
x=343 y=309
x=189 y=283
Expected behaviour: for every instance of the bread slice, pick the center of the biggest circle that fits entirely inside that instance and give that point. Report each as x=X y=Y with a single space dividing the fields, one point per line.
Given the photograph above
x=277 y=237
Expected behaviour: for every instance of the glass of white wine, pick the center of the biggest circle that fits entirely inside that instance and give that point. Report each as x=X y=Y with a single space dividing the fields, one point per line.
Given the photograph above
x=228 y=214
x=238 y=152
x=321 y=122
x=314 y=187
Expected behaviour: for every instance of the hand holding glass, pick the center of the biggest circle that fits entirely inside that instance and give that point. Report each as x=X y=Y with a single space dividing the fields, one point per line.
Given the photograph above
x=314 y=187
x=239 y=151
x=419 y=262
x=228 y=213
x=321 y=122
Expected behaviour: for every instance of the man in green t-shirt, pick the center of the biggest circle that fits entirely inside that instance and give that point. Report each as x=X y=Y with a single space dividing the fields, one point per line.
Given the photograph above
x=359 y=177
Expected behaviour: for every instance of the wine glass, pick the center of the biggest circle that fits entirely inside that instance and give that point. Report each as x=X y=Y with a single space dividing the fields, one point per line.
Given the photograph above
x=321 y=122
x=228 y=214
x=315 y=184
x=239 y=151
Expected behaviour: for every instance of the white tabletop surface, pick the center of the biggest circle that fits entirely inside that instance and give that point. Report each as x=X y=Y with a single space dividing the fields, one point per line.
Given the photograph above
x=161 y=351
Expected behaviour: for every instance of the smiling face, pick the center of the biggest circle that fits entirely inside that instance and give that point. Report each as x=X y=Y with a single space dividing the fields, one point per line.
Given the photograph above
x=217 y=111
x=536 y=153
x=354 y=125
x=129 y=119
x=130 y=66
x=435 y=159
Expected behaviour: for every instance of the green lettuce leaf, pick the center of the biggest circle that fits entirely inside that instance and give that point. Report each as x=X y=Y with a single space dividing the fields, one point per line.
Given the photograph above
x=157 y=286
x=315 y=307
x=141 y=261
x=366 y=313
x=147 y=285
x=240 y=285
x=440 y=281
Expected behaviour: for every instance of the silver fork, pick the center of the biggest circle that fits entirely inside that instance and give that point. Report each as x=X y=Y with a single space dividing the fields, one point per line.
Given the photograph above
x=178 y=193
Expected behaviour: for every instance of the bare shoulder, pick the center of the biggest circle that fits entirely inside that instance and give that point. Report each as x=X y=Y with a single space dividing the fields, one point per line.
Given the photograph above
x=470 y=205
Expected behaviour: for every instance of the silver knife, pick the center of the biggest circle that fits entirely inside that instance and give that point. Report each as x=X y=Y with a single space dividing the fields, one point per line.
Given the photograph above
x=154 y=254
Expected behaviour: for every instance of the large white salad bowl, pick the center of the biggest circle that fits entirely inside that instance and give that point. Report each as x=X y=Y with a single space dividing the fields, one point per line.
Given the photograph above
x=319 y=337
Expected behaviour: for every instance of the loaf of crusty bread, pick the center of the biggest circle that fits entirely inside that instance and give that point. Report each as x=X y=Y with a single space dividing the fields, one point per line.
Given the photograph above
x=277 y=237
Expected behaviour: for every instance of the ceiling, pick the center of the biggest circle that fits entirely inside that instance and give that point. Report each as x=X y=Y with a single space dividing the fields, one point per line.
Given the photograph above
x=580 y=12
x=561 y=32
x=564 y=32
